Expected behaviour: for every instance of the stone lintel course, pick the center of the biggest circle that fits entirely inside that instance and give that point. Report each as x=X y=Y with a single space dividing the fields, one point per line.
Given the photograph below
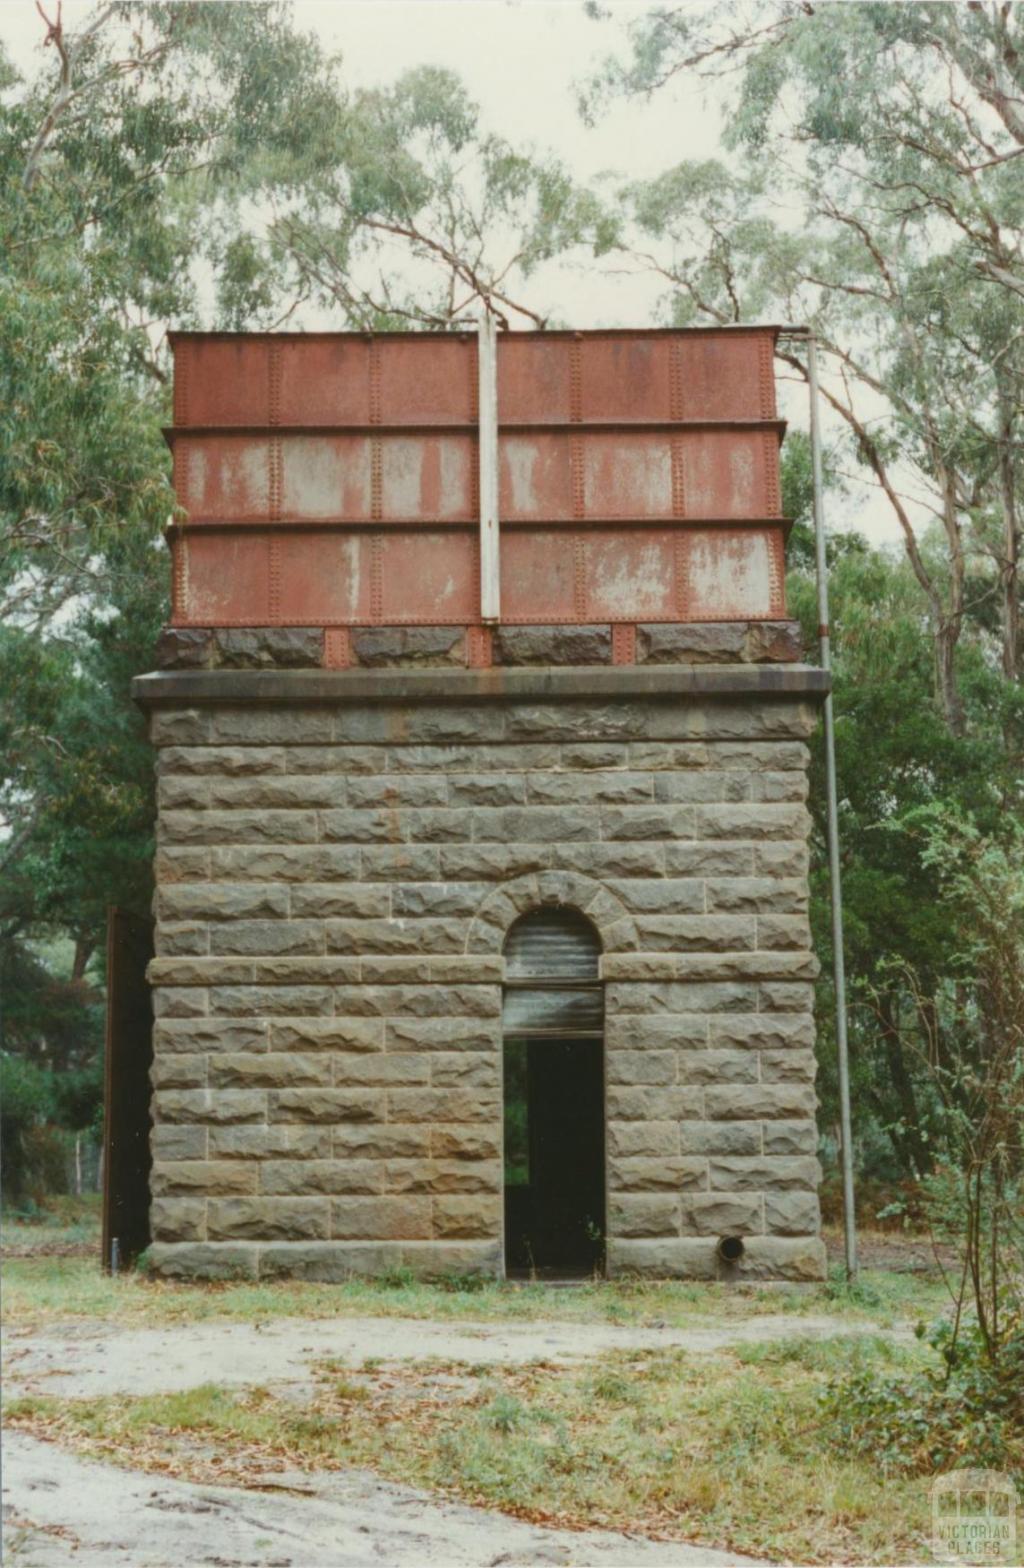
x=340 y=856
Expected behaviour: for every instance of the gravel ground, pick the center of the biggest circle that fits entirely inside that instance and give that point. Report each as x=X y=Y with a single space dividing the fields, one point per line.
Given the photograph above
x=88 y=1360
x=64 y=1512
x=60 y=1510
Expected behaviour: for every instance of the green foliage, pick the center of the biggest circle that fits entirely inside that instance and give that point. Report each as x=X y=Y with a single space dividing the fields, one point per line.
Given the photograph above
x=26 y=1105
x=962 y=1411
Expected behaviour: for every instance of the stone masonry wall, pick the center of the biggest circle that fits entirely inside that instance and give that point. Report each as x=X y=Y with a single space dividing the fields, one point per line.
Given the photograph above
x=335 y=881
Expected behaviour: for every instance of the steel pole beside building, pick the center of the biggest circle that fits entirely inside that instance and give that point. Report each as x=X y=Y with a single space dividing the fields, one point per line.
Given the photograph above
x=832 y=811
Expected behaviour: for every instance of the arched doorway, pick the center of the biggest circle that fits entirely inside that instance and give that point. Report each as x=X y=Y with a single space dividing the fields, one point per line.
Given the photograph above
x=553 y=1029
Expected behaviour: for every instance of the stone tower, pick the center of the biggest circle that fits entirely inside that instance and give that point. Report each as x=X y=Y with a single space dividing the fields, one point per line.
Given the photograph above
x=482 y=940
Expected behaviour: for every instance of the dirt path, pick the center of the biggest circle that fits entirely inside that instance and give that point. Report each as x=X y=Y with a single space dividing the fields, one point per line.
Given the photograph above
x=87 y=1515
x=60 y=1510
x=88 y=1361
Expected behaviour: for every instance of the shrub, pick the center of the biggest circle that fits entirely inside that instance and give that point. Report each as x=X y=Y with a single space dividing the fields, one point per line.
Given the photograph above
x=26 y=1105
x=966 y=1410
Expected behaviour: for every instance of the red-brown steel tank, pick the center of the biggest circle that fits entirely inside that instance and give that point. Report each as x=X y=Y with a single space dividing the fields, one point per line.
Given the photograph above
x=332 y=480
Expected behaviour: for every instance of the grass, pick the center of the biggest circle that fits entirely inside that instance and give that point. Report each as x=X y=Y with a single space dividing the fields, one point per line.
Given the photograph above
x=38 y=1290
x=730 y=1451
x=51 y=1274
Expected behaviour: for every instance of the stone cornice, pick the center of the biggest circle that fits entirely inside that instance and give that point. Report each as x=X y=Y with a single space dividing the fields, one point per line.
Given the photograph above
x=624 y=683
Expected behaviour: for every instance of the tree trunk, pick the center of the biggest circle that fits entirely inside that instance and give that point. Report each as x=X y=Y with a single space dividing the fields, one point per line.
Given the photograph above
x=915 y=1146
x=1009 y=566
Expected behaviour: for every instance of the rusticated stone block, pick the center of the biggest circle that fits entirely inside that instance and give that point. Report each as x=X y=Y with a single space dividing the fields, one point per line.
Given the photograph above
x=184 y=648
x=548 y=789
x=210 y=1177
x=800 y=1259
x=721 y=1137
x=178 y=1072
x=402 y=647
x=204 y=1260
x=398 y=789
x=643 y=1214
x=672 y=643
x=396 y=936
x=464 y=1070
x=746 y=1101
x=379 y=1142
x=338 y=900
x=717 y=1068
x=763 y=1032
x=464 y=1143
x=649 y=1104
x=268 y=1143
x=283 y=792
x=391 y=1218
x=670 y=1173
x=267 y=1219
x=468 y=1218
x=797 y=1137
x=269 y=1069
x=220 y=901
x=180 y=1002
x=327 y=1034
x=179 y=727
x=666 y=1257
x=772 y=642
x=178 y=1219
x=268 y=647
x=430 y=1105
x=553 y=645
x=792 y=1213
x=285 y=862
x=641 y=1067
x=237 y=827
x=326 y=1105
x=779 y=787
x=721 y=1214
x=247 y=1001
x=214 y=1106
x=795 y=1066
x=330 y=1262
x=443 y=1176
x=174 y=1142
x=302 y=1178
x=302 y=726
x=770 y=1174
x=751 y=821
x=657 y=1139
x=380 y=1068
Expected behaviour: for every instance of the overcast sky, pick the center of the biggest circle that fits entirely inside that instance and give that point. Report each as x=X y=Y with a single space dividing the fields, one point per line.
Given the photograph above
x=521 y=60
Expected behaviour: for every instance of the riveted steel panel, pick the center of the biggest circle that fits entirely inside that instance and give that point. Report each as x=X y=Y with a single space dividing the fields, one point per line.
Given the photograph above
x=429 y=577
x=734 y=576
x=222 y=579
x=333 y=479
x=544 y=476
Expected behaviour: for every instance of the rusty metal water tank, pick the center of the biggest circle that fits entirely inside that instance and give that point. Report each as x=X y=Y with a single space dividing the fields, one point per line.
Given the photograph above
x=332 y=480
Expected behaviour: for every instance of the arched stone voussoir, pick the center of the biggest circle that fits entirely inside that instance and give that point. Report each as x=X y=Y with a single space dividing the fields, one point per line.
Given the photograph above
x=509 y=900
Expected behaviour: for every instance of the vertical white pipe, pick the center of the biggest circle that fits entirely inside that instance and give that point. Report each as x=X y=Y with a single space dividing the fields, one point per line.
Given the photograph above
x=824 y=640
x=490 y=560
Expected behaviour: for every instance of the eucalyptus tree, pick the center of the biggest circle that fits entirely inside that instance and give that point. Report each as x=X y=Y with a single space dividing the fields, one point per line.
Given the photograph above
x=872 y=186
x=179 y=164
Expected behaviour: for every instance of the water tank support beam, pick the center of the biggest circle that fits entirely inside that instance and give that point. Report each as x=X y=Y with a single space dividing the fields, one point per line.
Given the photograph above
x=487 y=414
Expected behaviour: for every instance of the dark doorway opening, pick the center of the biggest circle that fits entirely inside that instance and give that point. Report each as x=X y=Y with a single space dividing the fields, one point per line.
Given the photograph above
x=554 y=1155
x=554 y=1096
x=126 y=1119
